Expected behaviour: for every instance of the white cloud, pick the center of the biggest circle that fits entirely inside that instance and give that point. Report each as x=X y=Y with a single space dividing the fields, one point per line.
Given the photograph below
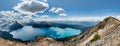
x=9 y=15
x=44 y=0
x=62 y=14
x=44 y=16
x=52 y=9
x=31 y=7
x=57 y=10
x=35 y=0
x=92 y=18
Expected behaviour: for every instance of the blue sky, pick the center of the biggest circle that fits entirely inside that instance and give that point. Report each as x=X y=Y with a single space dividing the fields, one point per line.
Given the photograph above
x=75 y=7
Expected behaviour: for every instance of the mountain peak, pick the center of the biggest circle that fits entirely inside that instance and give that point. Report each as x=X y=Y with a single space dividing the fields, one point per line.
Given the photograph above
x=110 y=21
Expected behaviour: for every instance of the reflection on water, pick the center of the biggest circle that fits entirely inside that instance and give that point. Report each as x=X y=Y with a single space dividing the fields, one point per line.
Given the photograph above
x=29 y=33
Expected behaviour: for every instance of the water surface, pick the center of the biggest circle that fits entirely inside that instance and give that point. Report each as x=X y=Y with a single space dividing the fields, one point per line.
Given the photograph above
x=29 y=33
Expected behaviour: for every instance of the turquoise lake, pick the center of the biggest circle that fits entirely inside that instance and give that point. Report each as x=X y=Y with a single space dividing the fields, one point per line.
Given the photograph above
x=29 y=33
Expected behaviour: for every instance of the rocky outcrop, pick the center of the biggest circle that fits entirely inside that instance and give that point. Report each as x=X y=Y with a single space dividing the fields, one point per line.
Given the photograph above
x=8 y=42
x=45 y=41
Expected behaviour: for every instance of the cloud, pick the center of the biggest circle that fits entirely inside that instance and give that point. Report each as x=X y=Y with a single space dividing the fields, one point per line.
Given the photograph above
x=52 y=9
x=31 y=7
x=57 y=10
x=6 y=17
x=88 y=18
x=9 y=15
x=35 y=0
x=44 y=0
x=44 y=16
x=62 y=14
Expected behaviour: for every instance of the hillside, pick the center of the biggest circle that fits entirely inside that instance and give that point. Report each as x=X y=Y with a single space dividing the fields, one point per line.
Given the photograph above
x=108 y=30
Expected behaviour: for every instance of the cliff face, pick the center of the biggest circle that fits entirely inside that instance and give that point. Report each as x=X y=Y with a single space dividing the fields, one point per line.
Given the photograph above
x=106 y=33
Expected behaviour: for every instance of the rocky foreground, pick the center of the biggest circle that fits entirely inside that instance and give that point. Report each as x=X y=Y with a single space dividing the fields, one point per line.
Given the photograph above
x=106 y=33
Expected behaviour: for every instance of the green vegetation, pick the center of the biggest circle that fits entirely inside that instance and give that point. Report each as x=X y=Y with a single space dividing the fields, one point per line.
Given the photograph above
x=96 y=37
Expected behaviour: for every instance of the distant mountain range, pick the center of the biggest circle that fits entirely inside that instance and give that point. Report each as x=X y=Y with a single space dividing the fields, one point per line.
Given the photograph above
x=14 y=25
